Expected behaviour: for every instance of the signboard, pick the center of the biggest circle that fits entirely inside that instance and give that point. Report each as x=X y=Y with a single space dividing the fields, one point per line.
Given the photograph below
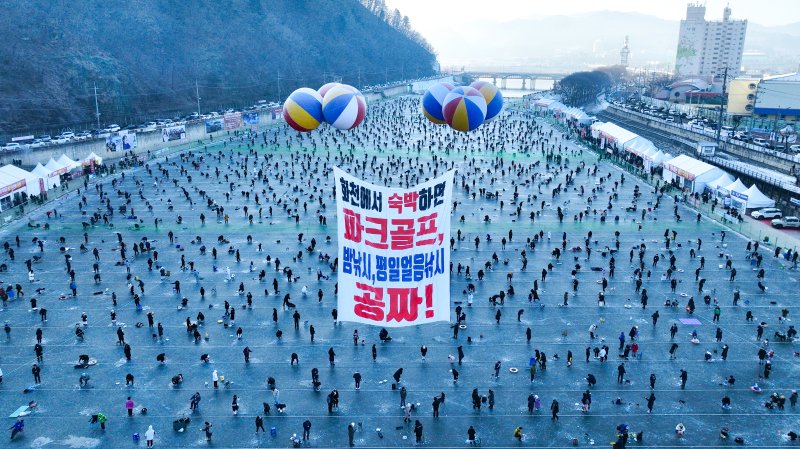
x=277 y=113
x=173 y=133
x=22 y=138
x=394 y=258
x=232 y=120
x=214 y=125
x=42 y=189
x=739 y=196
x=250 y=118
x=794 y=201
x=124 y=140
x=12 y=188
x=680 y=172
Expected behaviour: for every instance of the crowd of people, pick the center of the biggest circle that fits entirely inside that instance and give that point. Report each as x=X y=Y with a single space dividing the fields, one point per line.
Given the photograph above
x=160 y=276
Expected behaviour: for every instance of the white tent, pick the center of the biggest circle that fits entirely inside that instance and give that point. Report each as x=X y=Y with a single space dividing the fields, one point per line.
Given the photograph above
x=690 y=173
x=720 y=182
x=92 y=157
x=51 y=179
x=615 y=135
x=755 y=199
x=736 y=186
x=655 y=159
x=56 y=167
x=595 y=129
x=67 y=162
x=9 y=185
x=31 y=180
x=578 y=115
x=639 y=146
x=543 y=103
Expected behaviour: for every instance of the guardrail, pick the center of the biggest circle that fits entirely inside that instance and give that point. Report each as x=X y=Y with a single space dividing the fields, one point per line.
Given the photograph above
x=705 y=135
x=755 y=174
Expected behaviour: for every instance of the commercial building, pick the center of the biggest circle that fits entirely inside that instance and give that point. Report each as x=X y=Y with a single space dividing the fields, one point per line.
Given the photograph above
x=742 y=93
x=706 y=48
x=778 y=98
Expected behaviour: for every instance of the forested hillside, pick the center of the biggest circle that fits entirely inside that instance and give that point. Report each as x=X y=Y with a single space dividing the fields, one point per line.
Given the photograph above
x=145 y=55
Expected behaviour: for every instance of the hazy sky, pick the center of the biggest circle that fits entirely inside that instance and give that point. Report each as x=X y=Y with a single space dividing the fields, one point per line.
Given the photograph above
x=429 y=15
x=441 y=22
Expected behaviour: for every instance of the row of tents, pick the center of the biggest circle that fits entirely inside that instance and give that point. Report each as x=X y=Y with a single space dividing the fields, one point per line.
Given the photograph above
x=614 y=137
x=687 y=172
x=16 y=183
x=561 y=111
x=698 y=176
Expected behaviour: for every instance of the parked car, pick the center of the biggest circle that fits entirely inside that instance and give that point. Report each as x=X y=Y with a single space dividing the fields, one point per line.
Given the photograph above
x=767 y=212
x=149 y=126
x=38 y=143
x=786 y=222
x=113 y=127
x=84 y=135
x=794 y=148
x=67 y=135
x=760 y=142
x=100 y=133
x=45 y=138
x=670 y=119
x=11 y=146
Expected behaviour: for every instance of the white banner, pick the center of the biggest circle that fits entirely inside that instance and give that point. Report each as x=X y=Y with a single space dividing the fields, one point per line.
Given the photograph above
x=394 y=256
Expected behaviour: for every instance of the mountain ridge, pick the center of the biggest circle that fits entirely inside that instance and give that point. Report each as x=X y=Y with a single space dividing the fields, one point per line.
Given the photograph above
x=145 y=56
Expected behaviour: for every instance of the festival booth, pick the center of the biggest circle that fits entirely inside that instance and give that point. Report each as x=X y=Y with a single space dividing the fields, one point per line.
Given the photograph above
x=639 y=146
x=720 y=182
x=612 y=136
x=541 y=104
x=653 y=160
x=579 y=116
x=91 y=161
x=46 y=176
x=749 y=199
x=31 y=180
x=11 y=189
x=690 y=173
x=93 y=158
x=74 y=169
x=731 y=190
x=557 y=108
x=57 y=169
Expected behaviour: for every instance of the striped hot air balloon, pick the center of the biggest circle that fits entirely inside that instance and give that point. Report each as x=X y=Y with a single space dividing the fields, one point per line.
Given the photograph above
x=493 y=97
x=302 y=110
x=464 y=108
x=344 y=107
x=326 y=87
x=432 y=102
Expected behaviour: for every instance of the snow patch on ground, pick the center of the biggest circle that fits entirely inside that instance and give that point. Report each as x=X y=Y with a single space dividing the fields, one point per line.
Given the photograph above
x=81 y=442
x=41 y=442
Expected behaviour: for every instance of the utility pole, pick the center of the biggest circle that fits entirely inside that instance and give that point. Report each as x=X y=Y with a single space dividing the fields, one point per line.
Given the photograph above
x=96 y=107
x=279 y=86
x=197 y=94
x=722 y=105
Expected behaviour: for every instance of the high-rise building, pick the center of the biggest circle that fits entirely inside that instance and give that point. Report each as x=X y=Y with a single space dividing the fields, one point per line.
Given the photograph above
x=624 y=53
x=706 y=48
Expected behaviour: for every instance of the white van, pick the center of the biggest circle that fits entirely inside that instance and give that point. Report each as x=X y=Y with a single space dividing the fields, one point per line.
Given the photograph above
x=760 y=142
